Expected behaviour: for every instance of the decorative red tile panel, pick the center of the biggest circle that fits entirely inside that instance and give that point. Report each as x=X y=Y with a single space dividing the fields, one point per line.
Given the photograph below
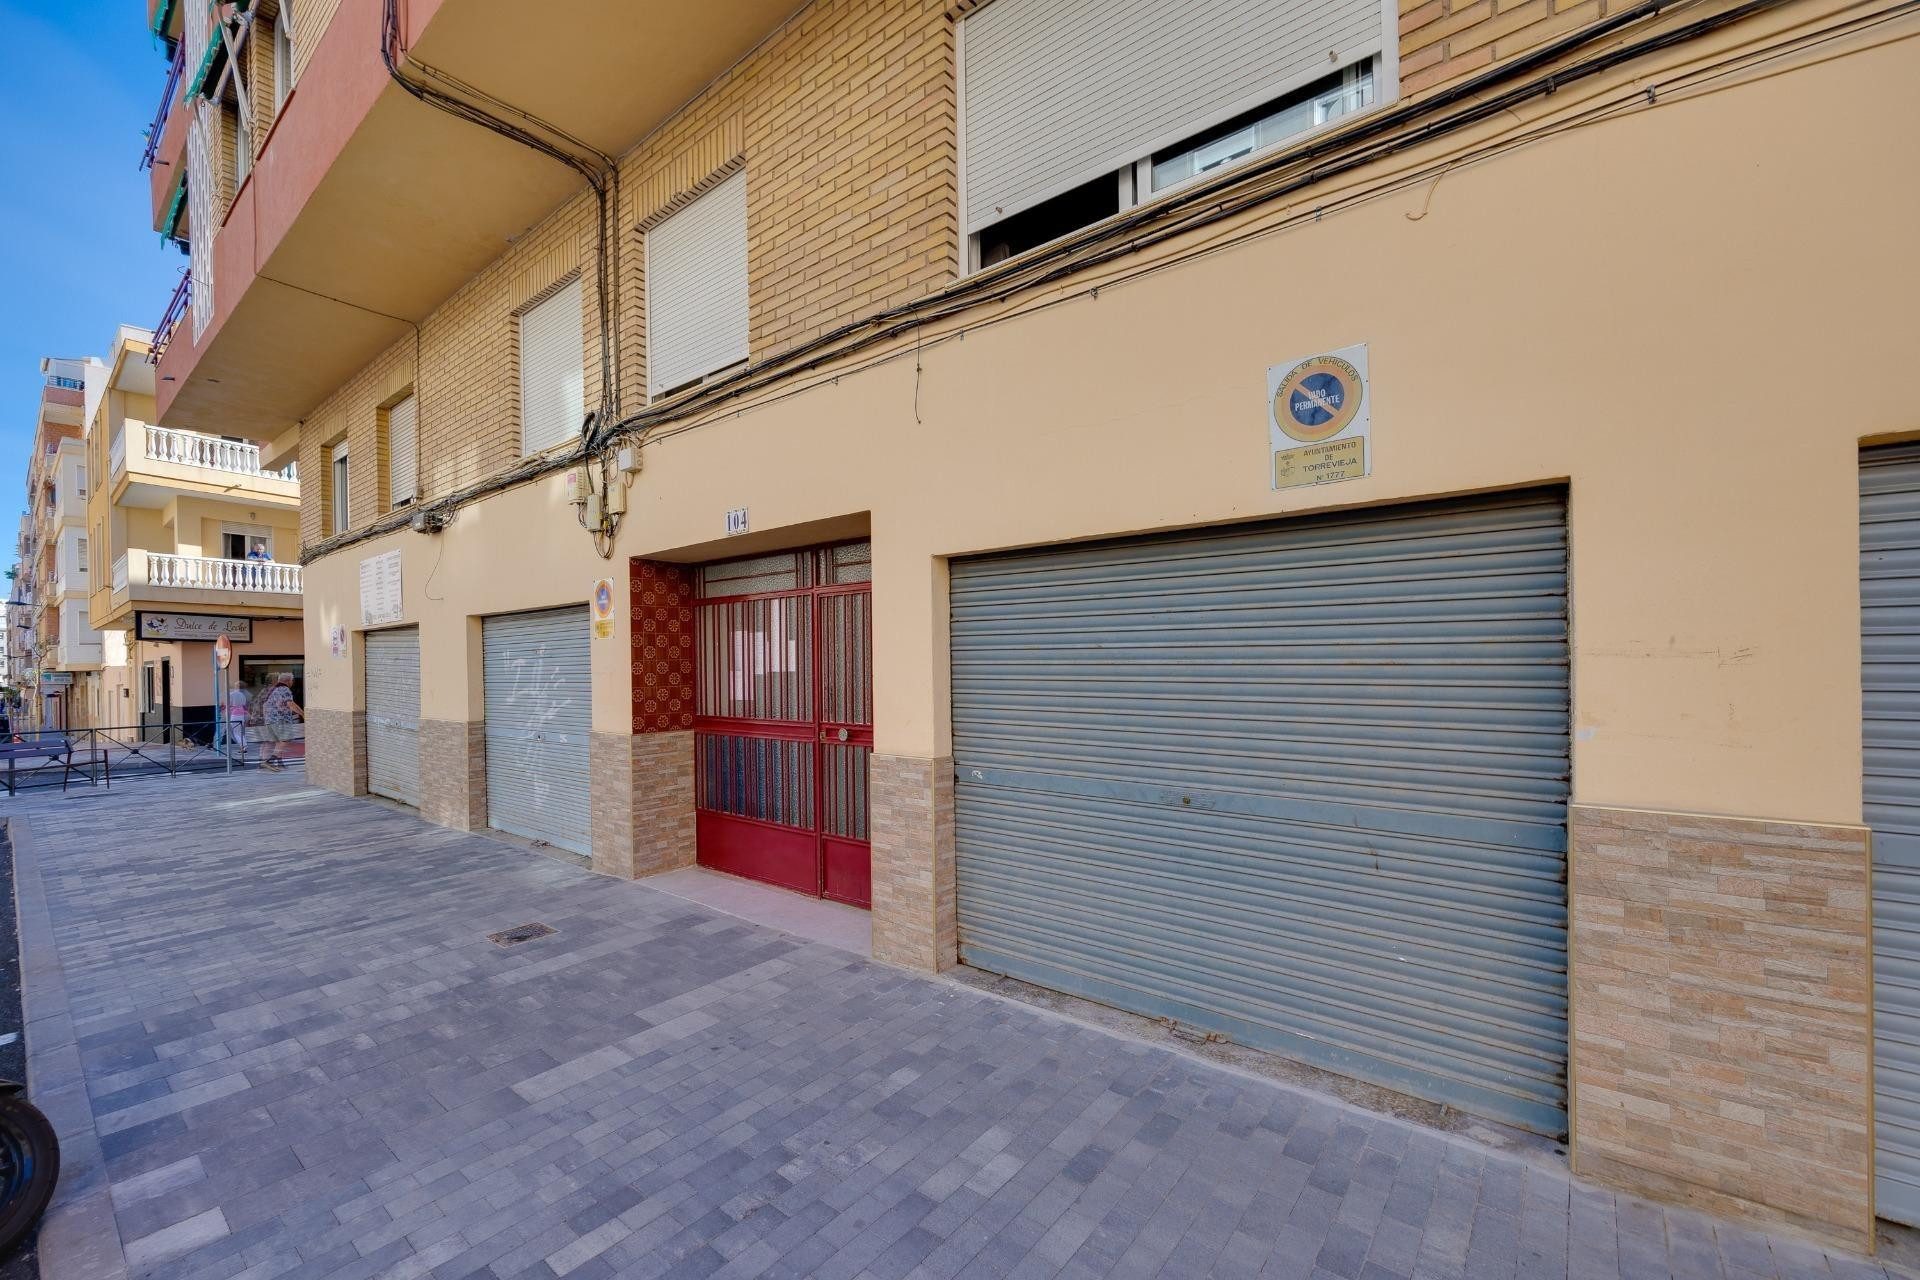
x=662 y=611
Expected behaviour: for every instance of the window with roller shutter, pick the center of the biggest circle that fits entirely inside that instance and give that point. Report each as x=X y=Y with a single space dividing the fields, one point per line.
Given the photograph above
x=697 y=289
x=403 y=461
x=553 y=384
x=1067 y=120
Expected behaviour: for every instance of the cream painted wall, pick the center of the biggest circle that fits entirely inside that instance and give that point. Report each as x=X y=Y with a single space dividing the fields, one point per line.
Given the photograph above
x=1693 y=314
x=272 y=638
x=192 y=661
x=144 y=527
x=191 y=526
x=213 y=519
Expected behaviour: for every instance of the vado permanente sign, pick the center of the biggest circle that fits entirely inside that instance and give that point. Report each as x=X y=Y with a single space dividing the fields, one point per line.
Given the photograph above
x=1319 y=421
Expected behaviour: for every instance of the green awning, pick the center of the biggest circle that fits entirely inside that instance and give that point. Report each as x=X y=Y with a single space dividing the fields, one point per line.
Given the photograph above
x=207 y=73
x=169 y=226
x=162 y=17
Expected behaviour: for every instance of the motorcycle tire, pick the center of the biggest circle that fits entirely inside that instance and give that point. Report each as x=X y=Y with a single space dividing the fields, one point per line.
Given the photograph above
x=29 y=1167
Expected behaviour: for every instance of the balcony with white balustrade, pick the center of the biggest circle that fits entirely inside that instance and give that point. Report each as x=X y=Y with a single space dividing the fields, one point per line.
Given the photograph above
x=148 y=462
x=160 y=580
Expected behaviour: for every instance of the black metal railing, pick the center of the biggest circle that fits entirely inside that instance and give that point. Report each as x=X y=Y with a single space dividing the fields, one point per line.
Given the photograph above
x=176 y=312
x=36 y=759
x=175 y=70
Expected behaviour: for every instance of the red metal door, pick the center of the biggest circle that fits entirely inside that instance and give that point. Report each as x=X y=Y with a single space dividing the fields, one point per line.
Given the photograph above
x=783 y=725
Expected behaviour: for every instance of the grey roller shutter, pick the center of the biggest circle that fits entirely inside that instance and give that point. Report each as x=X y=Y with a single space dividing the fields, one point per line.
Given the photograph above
x=1057 y=92
x=553 y=384
x=403 y=449
x=539 y=714
x=1300 y=783
x=393 y=714
x=1890 y=740
x=697 y=288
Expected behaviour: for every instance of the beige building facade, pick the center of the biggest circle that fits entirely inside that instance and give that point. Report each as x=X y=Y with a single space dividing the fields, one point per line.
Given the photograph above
x=964 y=495
x=59 y=652
x=190 y=536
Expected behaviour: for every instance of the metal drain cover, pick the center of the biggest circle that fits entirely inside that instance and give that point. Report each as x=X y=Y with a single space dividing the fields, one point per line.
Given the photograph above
x=519 y=933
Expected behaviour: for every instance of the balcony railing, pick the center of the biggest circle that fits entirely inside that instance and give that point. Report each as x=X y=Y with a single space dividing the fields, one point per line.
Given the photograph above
x=117 y=454
x=77 y=653
x=60 y=382
x=120 y=572
x=191 y=449
x=167 y=95
x=205 y=573
x=170 y=319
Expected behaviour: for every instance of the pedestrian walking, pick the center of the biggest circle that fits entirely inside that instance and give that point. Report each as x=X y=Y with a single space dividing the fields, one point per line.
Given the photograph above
x=280 y=718
x=233 y=728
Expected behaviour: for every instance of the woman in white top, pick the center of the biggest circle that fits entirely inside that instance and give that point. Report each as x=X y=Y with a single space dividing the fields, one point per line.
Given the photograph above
x=237 y=704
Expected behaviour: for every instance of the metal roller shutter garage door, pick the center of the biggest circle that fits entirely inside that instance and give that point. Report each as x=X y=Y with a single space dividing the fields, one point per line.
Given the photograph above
x=1301 y=783
x=539 y=713
x=1890 y=737
x=393 y=714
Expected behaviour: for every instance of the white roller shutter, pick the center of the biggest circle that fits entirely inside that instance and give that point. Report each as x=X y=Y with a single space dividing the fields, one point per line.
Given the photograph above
x=553 y=378
x=393 y=714
x=1058 y=92
x=539 y=696
x=697 y=288
x=403 y=449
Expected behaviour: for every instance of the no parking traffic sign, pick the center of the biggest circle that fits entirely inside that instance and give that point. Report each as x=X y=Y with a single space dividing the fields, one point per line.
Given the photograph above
x=1318 y=419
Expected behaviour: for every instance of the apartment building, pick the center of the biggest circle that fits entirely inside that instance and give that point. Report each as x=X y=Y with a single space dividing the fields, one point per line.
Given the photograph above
x=60 y=648
x=19 y=617
x=191 y=537
x=1291 y=519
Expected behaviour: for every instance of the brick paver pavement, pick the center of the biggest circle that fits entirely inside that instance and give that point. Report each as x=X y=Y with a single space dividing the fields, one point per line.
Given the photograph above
x=292 y=1052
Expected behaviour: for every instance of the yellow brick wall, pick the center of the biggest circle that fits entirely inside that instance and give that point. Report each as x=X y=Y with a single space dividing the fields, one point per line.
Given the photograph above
x=220 y=158
x=849 y=137
x=354 y=413
x=310 y=19
x=845 y=123
x=260 y=82
x=257 y=75
x=1446 y=40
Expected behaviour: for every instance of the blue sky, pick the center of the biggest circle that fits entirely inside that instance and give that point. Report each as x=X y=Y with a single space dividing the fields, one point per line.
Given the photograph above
x=82 y=82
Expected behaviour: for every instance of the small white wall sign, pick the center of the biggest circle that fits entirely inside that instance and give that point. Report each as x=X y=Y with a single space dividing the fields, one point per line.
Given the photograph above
x=380 y=598
x=1319 y=421
x=736 y=521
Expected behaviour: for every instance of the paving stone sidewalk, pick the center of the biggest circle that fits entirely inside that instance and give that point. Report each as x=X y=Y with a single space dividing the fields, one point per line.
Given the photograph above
x=279 y=1045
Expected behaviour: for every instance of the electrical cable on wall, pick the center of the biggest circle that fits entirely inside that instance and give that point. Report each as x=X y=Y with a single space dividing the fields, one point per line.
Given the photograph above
x=1241 y=190
x=602 y=173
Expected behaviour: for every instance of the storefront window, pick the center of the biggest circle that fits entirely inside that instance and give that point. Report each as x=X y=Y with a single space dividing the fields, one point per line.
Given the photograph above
x=257 y=673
